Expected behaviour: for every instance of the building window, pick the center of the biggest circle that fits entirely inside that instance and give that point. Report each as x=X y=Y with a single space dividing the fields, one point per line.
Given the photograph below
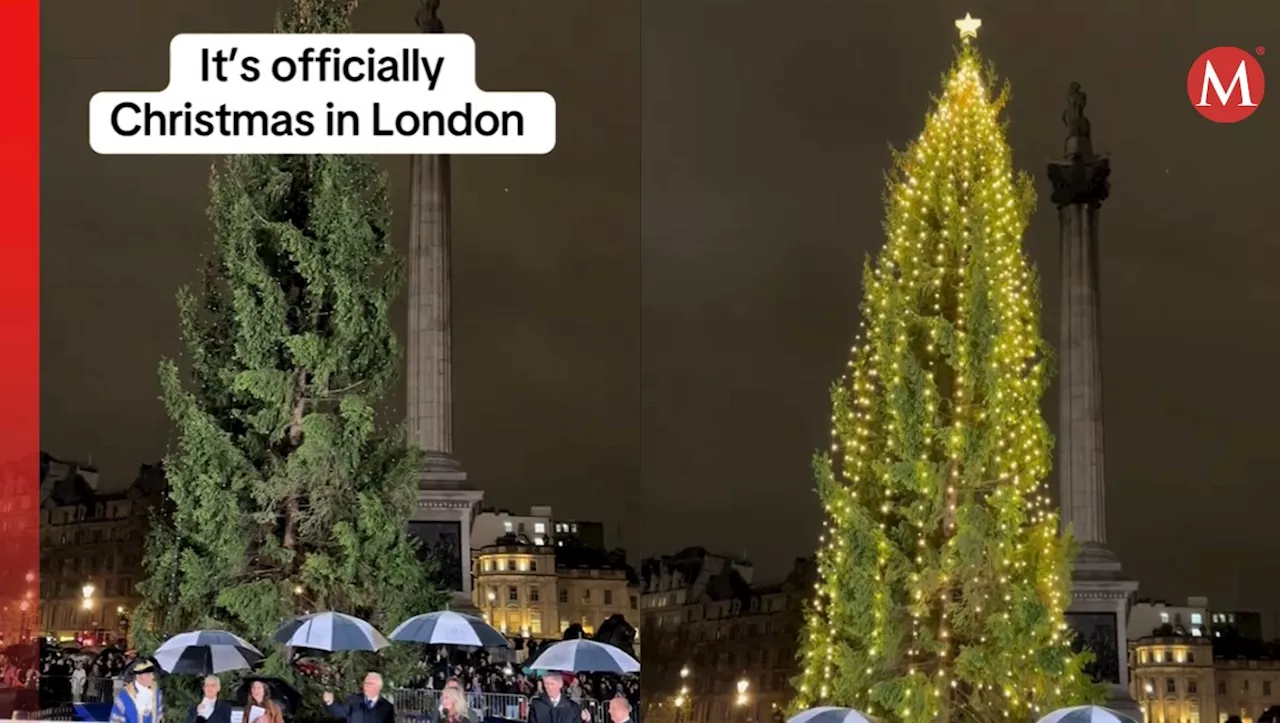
x=1266 y=687
x=1246 y=686
x=1222 y=687
x=506 y=526
x=633 y=606
x=539 y=528
x=493 y=594
x=1191 y=687
x=1170 y=685
x=533 y=594
x=1159 y=656
x=501 y=565
x=488 y=565
x=1164 y=618
x=608 y=597
x=533 y=566
x=1197 y=619
x=564 y=599
x=1142 y=657
x=513 y=594
x=535 y=622
x=1191 y=656
x=586 y=596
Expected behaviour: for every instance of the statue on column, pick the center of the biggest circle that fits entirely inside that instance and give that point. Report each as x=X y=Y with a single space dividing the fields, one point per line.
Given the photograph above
x=428 y=17
x=1078 y=142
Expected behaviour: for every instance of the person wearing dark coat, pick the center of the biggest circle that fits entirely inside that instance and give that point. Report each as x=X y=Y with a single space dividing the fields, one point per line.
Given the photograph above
x=553 y=706
x=368 y=707
x=210 y=709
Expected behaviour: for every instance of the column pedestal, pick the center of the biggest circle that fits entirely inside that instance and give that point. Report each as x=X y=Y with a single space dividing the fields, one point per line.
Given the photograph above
x=443 y=518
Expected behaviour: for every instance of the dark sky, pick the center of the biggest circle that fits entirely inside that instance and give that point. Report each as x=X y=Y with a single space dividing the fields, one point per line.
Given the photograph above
x=646 y=334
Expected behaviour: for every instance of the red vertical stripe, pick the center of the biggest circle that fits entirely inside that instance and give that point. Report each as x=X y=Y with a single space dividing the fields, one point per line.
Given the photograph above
x=19 y=323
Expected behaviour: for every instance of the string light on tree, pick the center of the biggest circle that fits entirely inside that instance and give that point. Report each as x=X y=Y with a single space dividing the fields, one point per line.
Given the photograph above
x=943 y=577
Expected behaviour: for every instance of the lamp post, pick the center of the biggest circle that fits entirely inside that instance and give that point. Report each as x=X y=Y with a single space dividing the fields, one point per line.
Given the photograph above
x=683 y=698
x=742 y=700
x=86 y=601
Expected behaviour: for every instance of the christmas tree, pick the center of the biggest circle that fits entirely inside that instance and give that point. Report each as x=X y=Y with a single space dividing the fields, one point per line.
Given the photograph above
x=944 y=578
x=286 y=494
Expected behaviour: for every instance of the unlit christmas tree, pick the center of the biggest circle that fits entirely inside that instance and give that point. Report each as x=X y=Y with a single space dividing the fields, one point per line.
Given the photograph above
x=944 y=578
x=285 y=493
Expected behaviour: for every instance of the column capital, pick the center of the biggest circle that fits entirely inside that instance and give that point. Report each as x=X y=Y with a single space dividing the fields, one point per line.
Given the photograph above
x=1080 y=181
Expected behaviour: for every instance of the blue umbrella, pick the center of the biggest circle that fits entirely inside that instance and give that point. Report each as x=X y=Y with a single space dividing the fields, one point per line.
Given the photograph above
x=449 y=628
x=206 y=652
x=1086 y=714
x=585 y=656
x=829 y=714
x=331 y=632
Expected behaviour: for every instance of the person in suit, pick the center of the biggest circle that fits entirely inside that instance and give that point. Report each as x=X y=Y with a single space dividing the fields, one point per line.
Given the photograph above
x=620 y=710
x=368 y=707
x=260 y=698
x=551 y=706
x=210 y=709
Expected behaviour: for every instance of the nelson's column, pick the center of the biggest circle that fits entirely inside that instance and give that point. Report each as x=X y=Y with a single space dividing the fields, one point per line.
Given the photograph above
x=446 y=502
x=1100 y=592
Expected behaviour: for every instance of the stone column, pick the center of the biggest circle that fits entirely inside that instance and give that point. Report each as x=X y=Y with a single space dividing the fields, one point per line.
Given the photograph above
x=443 y=493
x=1100 y=595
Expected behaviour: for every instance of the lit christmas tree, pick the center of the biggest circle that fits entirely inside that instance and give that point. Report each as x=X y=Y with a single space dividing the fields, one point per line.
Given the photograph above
x=944 y=578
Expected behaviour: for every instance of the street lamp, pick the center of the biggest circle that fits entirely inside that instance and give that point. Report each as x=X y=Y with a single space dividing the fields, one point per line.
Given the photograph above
x=683 y=698
x=741 y=700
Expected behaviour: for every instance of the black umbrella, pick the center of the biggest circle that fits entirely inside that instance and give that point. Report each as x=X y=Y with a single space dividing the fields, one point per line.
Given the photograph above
x=280 y=691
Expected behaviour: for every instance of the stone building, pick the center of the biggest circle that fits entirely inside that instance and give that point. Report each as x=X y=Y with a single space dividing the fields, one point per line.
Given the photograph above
x=538 y=591
x=1199 y=679
x=91 y=549
x=717 y=647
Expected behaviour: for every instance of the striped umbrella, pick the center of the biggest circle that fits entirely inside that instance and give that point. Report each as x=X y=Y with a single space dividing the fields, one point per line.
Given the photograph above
x=830 y=714
x=206 y=652
x=1086 y=714
x=449 y=628
x=585 y=656
x=331 y=632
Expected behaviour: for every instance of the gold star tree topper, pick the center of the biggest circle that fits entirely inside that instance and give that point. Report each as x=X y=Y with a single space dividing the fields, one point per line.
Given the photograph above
x=968 y=26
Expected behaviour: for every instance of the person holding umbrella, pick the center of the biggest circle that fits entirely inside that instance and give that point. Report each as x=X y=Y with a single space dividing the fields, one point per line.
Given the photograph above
x=369 y=707
x=139 y=701
x=553 y=707
x=210 y=709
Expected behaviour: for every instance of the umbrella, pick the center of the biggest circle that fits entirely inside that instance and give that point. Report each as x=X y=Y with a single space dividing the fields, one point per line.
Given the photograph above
x=1086 y=714
x=449 y=628
x=331 y=632
x=206 y=652
x=284 y=695
x=829 y=714
x=585 y=656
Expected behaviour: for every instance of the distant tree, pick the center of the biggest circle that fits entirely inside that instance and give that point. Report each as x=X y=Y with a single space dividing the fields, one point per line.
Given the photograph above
x=286 y=495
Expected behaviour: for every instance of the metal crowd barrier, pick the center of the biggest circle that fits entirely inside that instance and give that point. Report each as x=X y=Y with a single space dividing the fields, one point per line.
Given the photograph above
x=420 y=702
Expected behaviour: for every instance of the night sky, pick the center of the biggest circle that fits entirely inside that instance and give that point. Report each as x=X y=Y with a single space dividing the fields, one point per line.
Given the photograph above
x=645 y=333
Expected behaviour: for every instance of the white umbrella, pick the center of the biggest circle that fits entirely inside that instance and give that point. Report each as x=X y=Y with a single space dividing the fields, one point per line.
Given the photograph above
x=206 y=652
x=449 y=628
x=331 y=632
x=585 y=656
x=1086 y=714
x=830 y=714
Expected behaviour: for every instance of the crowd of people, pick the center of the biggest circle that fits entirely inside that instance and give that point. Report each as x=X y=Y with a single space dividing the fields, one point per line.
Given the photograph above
x=480 y=673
